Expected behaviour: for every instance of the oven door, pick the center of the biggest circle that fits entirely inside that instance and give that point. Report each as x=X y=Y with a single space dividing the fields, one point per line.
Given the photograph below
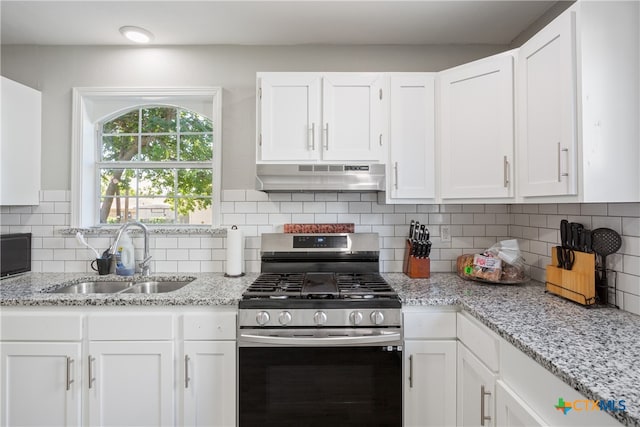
x=322 y=381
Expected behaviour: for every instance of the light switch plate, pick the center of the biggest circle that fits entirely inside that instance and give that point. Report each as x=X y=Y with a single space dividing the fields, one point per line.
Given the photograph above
x=445 y=233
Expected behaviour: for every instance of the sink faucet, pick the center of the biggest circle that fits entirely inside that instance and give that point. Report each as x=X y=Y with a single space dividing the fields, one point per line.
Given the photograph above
x=145 y=264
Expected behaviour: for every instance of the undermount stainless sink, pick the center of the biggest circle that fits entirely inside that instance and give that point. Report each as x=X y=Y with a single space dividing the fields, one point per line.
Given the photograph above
x=155 y=287
x=94 y=287
x=115 y=286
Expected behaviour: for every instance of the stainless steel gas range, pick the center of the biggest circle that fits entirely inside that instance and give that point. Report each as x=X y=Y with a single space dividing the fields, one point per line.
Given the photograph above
x=320 y=335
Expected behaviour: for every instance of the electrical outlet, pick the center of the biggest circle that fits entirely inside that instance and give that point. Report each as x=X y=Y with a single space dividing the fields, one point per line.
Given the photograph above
x=445 y=233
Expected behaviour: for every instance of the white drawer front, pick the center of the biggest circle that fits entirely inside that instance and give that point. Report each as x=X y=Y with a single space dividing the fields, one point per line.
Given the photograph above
x=430 y=325
x=29 y=326
x=480 y=340
x=210 y=326
x=130 y=326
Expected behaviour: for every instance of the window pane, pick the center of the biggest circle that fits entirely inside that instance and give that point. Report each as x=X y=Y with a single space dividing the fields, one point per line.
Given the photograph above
x=156 y=210
x=158 y=120
x=196 y=147
x=194 y=122
x=126 y=123
x=119 y=148
x=158 y=148
x=194 y=211
x=157 y=182
x=115 y=210
x=195 y=182
x=117 y=182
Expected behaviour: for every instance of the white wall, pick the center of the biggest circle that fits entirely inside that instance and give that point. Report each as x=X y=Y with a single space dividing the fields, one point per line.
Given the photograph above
x=55 y=70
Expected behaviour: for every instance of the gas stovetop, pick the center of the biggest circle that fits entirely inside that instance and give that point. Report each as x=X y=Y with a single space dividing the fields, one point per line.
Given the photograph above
x=319 y=285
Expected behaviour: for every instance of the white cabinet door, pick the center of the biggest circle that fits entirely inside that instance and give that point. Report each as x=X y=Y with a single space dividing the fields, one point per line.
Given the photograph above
x=411 y=171
x=352 y=117
x=131 y=383
x=476 y=391
x=209 y=383
x=511 y=411
x=547 y=113
x=477 y=129
x=289 y=116
x=41 y=384
x=20 y=144
x=430 y=383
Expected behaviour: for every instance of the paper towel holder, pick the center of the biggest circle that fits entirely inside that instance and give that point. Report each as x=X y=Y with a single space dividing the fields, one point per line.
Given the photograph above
x=234 y=227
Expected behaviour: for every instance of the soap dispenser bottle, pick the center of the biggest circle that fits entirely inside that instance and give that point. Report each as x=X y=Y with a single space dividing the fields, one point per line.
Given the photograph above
x=125 y=256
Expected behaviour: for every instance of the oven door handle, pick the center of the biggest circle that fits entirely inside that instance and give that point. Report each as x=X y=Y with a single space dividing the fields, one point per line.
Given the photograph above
x=322 y=341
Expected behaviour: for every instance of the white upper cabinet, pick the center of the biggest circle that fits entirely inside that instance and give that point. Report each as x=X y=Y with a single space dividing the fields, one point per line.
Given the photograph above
x=411 y=165
x=290 y=116
x=546 y=85
x=310 y=117
x=20 y=144
x=352 y=116
x=477 y=129
x=578 y=91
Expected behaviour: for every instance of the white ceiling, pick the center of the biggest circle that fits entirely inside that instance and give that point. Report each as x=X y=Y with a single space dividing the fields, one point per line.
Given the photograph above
x=269 y=22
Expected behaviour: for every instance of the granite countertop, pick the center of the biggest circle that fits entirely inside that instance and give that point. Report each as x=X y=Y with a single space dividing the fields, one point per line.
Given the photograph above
x=594 y=350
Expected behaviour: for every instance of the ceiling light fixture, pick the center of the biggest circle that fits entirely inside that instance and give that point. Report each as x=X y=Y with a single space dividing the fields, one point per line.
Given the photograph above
x=136 y=34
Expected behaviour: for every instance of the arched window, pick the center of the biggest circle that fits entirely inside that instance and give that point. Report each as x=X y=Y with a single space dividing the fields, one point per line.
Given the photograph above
x=146 y=154
x=155 y=166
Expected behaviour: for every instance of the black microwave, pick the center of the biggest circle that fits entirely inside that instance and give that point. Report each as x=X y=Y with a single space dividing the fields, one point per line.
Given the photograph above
x=15 y=253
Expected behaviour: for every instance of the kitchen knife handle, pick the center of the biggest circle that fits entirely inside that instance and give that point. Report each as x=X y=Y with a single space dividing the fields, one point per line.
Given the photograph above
x=395 y=170
x=186 y=371
x=506 y=172
x=326 y=136
x=69 y=379
x=92 y=379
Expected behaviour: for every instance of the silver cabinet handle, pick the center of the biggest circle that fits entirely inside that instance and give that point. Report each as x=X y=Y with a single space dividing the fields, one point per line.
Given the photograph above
x=483 y=417
x=69 y=379
x=506 y=172
x=92 y=379
x=411 y=371
x=395 y=171
x=560 y=150
x=186 y=371
x=326 y=136
x=313 y=136
x=381 y=140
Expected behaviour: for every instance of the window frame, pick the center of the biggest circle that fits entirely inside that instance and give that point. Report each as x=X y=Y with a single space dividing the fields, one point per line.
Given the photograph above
x=91 y=106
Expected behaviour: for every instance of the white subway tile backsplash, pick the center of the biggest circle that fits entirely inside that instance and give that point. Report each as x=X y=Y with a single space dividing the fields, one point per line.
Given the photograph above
x=474 y=228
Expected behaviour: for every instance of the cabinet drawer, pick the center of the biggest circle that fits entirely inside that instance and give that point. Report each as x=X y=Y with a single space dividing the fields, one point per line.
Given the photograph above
x=210 y=326
x=481 y=341
x=130 y=326
x=40 y=327
x=430 y=324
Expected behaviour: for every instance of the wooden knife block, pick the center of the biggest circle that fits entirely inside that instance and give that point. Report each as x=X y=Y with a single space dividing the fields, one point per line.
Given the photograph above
x=577 y=284
x=416 y=268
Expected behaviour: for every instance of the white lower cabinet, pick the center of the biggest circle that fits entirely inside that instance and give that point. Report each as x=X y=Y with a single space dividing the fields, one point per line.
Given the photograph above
x=511 y=411
x=476 y=390
x=46 y=373
x=430 y=368
x=118 y=367
x=130 y=383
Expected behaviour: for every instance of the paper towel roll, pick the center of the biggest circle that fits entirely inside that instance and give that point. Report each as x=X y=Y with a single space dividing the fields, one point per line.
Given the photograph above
x=235 y=252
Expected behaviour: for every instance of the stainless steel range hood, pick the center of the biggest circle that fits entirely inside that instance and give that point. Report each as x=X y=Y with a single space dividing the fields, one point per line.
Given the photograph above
x=310 y=177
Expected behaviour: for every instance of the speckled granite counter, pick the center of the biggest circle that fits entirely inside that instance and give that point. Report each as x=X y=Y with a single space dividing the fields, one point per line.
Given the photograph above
x=207 y=289
x=596 y=351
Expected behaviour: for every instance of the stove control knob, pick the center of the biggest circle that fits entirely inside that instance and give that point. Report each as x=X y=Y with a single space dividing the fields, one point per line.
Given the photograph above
x=284 y=318
x=320 y=318
x=355 y=317
x=377 y=317
x=262 y=318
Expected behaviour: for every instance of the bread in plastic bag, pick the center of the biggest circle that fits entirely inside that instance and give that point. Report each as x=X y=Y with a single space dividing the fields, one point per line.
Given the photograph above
x=501 y=263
